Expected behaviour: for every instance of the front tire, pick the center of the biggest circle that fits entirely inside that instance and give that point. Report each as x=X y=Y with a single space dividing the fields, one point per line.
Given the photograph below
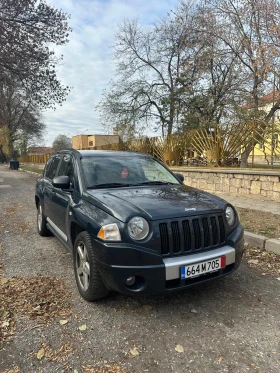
x=42 y=222
x=88 y=279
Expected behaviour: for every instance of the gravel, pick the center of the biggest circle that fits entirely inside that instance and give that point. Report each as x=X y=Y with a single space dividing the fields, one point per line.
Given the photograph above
x=227 y=325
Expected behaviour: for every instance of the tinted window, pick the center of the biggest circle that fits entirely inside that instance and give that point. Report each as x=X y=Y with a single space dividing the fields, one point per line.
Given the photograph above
x=66 y=167
x=51 y=171
x=124 y=170
x=47 y=167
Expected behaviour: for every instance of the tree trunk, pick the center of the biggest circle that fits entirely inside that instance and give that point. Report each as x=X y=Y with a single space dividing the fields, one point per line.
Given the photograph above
x=244 y=157
x=12 y=152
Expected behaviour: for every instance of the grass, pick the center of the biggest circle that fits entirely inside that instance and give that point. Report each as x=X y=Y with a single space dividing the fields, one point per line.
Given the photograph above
x=260 y=222
x=36 y=169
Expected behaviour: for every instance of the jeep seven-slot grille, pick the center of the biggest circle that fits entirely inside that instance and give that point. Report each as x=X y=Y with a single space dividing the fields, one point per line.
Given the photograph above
x=191 y=235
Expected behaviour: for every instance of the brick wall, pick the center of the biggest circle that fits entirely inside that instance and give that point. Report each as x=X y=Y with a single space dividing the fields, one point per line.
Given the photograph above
x=262 y=183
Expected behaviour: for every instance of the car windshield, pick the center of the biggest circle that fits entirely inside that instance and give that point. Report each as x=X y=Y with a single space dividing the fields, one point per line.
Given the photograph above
x=112 y=171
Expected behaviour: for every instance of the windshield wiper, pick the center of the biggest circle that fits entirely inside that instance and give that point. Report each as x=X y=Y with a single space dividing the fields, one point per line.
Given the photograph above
x=108 y=185
x=157 y=183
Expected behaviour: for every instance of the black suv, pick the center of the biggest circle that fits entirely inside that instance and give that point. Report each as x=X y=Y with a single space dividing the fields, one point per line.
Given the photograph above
x=132 y=225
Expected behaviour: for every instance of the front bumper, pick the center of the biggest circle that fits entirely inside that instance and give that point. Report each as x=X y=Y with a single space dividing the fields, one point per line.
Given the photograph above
x=157 y=275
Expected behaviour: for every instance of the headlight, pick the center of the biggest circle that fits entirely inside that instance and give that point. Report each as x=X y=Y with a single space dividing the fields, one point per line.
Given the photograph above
x=230 y=215
x=109 y=232
x=138 y=228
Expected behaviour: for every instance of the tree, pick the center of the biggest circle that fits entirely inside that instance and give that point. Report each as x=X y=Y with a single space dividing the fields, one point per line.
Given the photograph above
x=249 y=30
x=18 y=114
x=147 y=90
x=62 y=142
x=27 y=29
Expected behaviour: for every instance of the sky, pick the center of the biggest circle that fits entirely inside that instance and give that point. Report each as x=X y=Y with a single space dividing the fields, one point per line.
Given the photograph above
x=88 y=63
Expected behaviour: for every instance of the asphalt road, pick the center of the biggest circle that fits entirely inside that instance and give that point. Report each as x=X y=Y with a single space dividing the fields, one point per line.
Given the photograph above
x=228 y=325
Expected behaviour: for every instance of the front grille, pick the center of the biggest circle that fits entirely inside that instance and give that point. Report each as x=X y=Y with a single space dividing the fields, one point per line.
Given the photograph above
x=191 y=235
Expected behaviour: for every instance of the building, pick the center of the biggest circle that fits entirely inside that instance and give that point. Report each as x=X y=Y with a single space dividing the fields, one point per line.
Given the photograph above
x=94 y=141
x=268 y=150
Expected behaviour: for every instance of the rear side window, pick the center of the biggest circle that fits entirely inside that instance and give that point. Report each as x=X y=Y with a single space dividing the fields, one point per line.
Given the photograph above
x=51 y=170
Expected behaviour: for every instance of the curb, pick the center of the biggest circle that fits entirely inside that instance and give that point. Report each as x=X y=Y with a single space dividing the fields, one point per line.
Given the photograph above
x=269 y=244
x=29 y=172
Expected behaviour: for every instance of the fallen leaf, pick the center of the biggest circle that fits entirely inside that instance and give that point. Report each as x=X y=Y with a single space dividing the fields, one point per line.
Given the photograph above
x=83 y=327
x=278 y=278
x=40 y=354
x=134 y=351
x=193 y=311
x=63 y=322
x=179 y=348
x=75 y=371
x=5 y=323
x=253 y=261
x=4 y=281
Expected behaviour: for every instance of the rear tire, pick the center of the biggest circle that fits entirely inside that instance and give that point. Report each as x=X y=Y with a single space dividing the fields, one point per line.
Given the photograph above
x=88 y=279
x=42 y=222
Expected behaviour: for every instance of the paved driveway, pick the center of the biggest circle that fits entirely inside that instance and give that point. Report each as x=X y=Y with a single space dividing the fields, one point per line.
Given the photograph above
x=228 y=325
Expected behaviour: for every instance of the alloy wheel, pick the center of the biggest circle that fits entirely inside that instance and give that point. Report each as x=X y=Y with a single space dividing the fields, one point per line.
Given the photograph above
x=82 y=266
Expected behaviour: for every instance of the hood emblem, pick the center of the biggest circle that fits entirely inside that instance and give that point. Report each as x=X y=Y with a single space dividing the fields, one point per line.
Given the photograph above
x=190 y=209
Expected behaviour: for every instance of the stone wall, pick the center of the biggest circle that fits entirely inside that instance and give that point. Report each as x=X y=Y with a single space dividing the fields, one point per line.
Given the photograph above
x=262 y=183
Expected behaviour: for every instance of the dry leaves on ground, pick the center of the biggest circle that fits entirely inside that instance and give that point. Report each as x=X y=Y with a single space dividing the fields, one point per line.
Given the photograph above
x=12 y=210
x=40 y=298
x=14 y=369
x=108 y=368
x=266 y=261
x=60 y=355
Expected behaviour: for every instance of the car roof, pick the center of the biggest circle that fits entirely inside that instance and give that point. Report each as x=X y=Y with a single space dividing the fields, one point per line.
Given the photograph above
x=104 y=153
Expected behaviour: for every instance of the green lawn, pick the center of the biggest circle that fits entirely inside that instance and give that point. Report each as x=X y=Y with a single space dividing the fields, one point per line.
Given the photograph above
x=36 y=169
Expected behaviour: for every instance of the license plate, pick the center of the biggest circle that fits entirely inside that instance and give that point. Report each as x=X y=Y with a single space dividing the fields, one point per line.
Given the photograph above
x=201 y=268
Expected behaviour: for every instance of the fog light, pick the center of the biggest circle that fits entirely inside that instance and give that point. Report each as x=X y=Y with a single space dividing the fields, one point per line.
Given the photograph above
x=130 y=281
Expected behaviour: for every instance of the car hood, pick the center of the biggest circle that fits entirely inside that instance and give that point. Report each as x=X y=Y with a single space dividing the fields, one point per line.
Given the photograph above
x=155 y=202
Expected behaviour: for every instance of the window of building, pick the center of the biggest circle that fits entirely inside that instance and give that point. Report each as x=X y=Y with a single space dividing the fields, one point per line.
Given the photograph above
x=261 y=146
x=275 y=139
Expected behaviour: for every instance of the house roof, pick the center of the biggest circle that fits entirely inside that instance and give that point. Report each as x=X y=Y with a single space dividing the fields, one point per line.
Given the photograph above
x=270 y=97
x=39 y=150
x=264 y=100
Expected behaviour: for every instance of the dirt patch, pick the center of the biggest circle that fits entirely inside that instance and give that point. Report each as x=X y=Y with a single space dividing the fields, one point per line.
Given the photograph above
x=40 y=298
x=265 y=261
x=260 y=222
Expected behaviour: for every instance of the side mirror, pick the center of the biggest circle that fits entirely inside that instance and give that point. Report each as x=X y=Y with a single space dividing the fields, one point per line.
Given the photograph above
x=180 y=177
x=62 y=182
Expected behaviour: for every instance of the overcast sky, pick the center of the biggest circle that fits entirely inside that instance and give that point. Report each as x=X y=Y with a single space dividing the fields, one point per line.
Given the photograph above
x=88 y=65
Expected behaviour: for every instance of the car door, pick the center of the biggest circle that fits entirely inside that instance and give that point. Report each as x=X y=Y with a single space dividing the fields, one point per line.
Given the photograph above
x=61 y=199
x=48 y=187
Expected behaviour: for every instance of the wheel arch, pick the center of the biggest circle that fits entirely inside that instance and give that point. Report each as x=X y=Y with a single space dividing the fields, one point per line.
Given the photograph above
x=75 y=229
